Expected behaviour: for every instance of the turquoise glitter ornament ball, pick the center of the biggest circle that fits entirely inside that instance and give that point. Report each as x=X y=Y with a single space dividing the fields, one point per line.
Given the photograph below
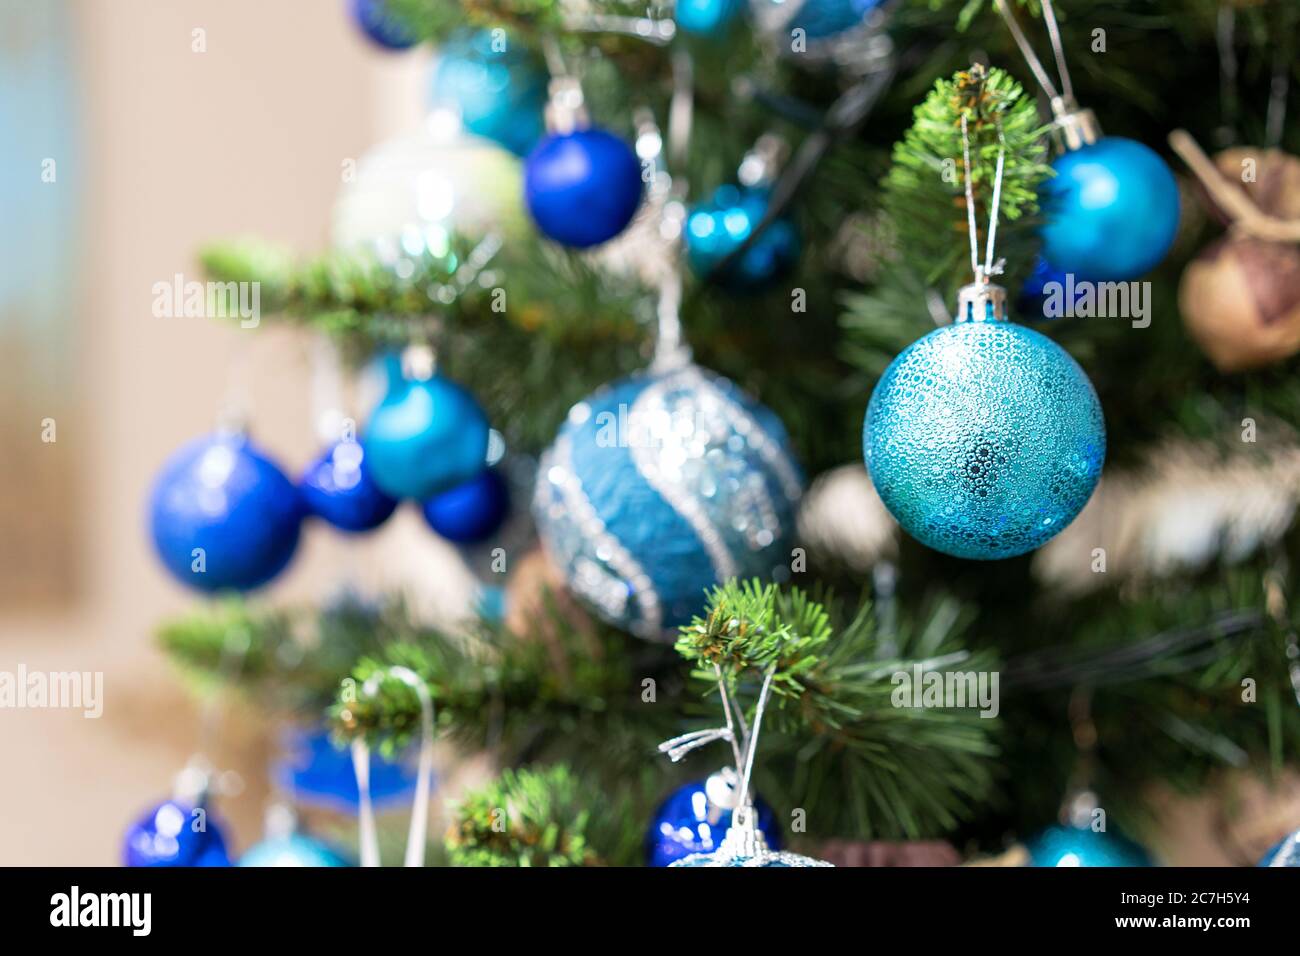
x=660 y=486
x=294 y=850
x=984 y=438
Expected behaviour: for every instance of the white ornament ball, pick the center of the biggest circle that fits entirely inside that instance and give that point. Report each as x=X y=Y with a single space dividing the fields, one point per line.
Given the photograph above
x=411 y=194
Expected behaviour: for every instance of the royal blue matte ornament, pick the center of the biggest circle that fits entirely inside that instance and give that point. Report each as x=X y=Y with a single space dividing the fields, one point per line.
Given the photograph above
x=582 y=188
x=472 y=512
x=320 y=774
x=223 y=516
x=424 y=437
x=174 y=834
x=715 y=229
x=1083 y=846
x=377 y=23
x=660 y=486
x=337 y=488
x=294 y=850
x=1284 y=853
x=984 y=438
x=707 y=18
x=495 y=85
x=690 y=821
x=1111 y=211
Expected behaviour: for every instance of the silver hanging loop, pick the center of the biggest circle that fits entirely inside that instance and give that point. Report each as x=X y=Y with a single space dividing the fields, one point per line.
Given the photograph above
x=982 y=300
x=416 y=834
x=1074 y=127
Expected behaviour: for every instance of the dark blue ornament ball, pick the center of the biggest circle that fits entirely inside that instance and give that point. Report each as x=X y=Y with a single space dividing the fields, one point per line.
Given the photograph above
x=337 y=488
x=174 y=834
x=377 y=23
x=707 y=18
x=1111 y=211
x=1285 y=853
x=472 y=512
x=984 y=439
x=582 y=188
x=223 y=515
x=1083 y=846
x=425 y=437
x=498 y=91
x=689 y=822
x=714 y=230
x=1044 y=294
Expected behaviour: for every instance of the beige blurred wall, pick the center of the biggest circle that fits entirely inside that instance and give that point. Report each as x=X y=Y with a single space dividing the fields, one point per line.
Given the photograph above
x=180 y=147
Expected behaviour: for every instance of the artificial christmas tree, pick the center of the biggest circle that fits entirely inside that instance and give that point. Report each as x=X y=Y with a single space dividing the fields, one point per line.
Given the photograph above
x=916 y=695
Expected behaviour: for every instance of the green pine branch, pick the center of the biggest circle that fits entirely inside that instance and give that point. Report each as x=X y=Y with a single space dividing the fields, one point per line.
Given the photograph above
x=925 y=210
x=905 y=771
x=524 y=818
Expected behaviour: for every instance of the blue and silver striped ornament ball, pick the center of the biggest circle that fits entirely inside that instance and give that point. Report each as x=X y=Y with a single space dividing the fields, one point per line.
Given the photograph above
x=1285 y=853
x=984 y=438
x=660 y=486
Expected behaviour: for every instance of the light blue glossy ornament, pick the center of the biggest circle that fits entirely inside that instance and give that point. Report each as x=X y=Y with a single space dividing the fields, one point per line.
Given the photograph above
x=1285 y=853
x=984 y=438
x=695 y=818
x=1111 y=211
x=496 y=86
x=707 y=18
x=847 y=33
x=660 y=486
x=427 y=435
x=715 y=229
x=292 y=850
x=1083 y=846
x=827 y=18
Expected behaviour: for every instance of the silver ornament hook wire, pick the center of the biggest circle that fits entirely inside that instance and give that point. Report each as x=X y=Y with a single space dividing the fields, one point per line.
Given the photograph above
x=1058 y=49
x=670 y=349
x=752 y=743
x=990 y=267
x=736 y=747
x=416 y=834
x=1063 y=100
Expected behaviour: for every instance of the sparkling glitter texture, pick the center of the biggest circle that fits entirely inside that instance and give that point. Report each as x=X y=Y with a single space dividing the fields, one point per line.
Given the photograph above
x=984 y=439
x=744 y=845
x=660 y=486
